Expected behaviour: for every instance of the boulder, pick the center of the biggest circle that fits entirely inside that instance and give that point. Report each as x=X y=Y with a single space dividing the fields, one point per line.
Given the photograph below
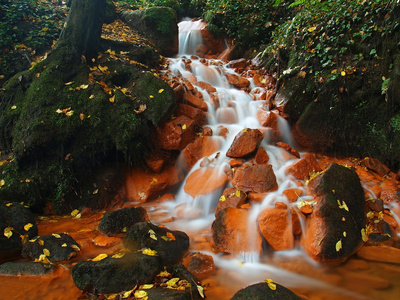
x=170 y=245
x=196 y=114
x=143 y=185
x=215 y=45
x=199 y=264
x=269 y=119
x=376 y=165
x=289 y=149
x=194 y=100
x=114 y=222
x=51 y=248
x=265 y=290
x=237 y=81
x=275 y=227
x=16 y=221
x=206 y=86
x=113 y=275
x=158 y=24
x=231 y=232
x=25 y=268
x=176 y=134
x=245 y=143
x=305 y=167
x=204 y=181
x=334 y=229
x=261 y=156
x=255 y=178
x=201 y=147
x=231 y=198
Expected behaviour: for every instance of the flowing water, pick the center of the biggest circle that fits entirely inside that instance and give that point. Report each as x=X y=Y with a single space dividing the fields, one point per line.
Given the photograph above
x=234 y=110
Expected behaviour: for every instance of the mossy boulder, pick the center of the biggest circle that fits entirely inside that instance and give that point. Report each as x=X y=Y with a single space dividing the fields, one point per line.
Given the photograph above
x=158 y=24
x=265 y=290
x=64 y=121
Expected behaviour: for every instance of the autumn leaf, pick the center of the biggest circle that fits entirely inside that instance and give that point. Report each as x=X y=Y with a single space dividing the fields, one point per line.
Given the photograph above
x=364 y=235
x=200 y=289
x=76 y=248
x=160 y=91
x=141 y=295
x=2 y=182
x=46 y=252
x=69 y=113
x=100 y=257
x=152 y=235
x=8 y=232
x=151 y=96
x=237 y=193
x=342 y=205
x=171 y=236
x=172 y=282
x=56 y=235
x=222 y=199
x=311 y=29
x=338 y=245
x=146 y=286
x=81 y=116
x=91 y=96
x=13 y=107
x=149 y=252
x=343 y=73
x=112 y=99
x=271 y=284
x=59 y=111
x=40 y=242
x=118 y=255
x=64 y=245
x=69 y=83
x=28 y=226
x=183 y=126
x=141 y=109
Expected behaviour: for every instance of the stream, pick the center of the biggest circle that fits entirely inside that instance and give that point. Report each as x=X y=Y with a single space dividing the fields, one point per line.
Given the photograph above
x=229 y=111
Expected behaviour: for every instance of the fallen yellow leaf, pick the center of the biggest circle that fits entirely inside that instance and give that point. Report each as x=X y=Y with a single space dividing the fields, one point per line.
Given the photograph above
x=64 y=245
x=183 y=126
x=141 y=295
x=74 y=213
x=28 y=226
x=149 y=252
x=8 y=232
x=76 y=248
x=160 y=91
x=100 y=257
x=338 y=245
x=152 y=235
x=112 y=99
x=56 y=235
x=2 y=182
x=46 y=252
x=13 y=107
x=222 y=199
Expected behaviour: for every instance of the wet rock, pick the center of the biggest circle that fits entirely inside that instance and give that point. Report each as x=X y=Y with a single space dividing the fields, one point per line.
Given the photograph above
x=292 y=194
x=226 y=115
x=264 y=80
x=114 y=222
x=274 y=225
x=231 y=197
x=199 y=264
x=18 y=221
x=207 y=131
x=238 y=63
x=289 y=149
x=143 y=185
x=237 y=81
x=376 y=165
x=170 y=245
x=194 y=101
x=196 y=114
x=269 y=119
x=206 y=86
x=201 y=50
x=261 y=156
x=215 y=45
x=156 y=161
x=55 y=247
x=105 y=241
x=177 y=133
x=113 y=275
x=158 y=24
x=245 y=143
x=333 y=231
x=25 y=268
x=390 y=196
x=231 y=232
x=380 y=254
x=305 y=167
x=264 y=290
x=255 y=178
x=204 y=181
x=201 y=147
x=375 y=204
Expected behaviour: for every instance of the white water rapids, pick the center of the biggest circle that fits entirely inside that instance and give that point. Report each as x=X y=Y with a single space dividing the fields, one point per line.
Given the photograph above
x=237 y=110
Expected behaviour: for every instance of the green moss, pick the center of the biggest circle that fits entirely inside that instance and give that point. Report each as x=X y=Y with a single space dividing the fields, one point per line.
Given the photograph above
x=160 y=18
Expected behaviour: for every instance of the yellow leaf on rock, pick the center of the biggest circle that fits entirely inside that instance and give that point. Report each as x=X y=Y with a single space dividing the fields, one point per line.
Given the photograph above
x=149 y=252
x=311 y=29
x=183 y=126
x=28 y=226
x=46 y=252
x=112 y=99
x=222 y=199
x=160 y=91
x=13 y=107
x=237 y=193
x=152 y=235
x=141 y=295
x=364 y=235
x=200 y=289
x=74 y=213
x=146 y=286
x=118 y=255
x=338 y=245
x=64 y=245
x=59 y=111
x=100 y=257
x=8 y=232
x=41 y=242
x=76 y=248
x=271 y=284
x=56 y=235
x=172 y=282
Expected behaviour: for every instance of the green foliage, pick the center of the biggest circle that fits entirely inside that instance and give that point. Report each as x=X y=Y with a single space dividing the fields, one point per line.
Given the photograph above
x=27 y=29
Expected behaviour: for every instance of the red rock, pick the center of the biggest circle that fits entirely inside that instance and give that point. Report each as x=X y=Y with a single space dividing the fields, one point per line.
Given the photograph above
x=275 y=227
x=296 y=225
x=185 y=211
x=269 y=119
x=188 y=84
x=177 y=133
x=231 y=232
x=381 y=254
x=214 y=45
x=304 y=167
x=222 y=131
x=390 y=196
x=206 y=86
x=390 y=220
x=256 y=197
x=207 y=131
x=200 y=265
x=245 y=143
x=178 y=91
x=196 y=114
x=201 y=147
x=255 y=178
x=306 y=209
x=204 y=181
x=289 y=149
x=356 y=264
x=292 y=194
x=231 y=197
x=237 y=81
x=264 y=80
x=201 y=50
x=238 y=63
x=280 y=205
x=194 y=101
x=142 y=185
x=375 y=204
x=261 y=156
x=376 y=166
x=105 y=241
x=156 y=162
x=234 y=163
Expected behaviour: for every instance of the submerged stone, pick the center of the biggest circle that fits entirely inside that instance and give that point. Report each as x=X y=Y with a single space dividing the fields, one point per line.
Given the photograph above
x=25 y=268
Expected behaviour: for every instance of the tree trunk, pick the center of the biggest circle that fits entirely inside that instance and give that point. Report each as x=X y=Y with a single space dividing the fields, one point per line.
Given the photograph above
x=83 y=27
